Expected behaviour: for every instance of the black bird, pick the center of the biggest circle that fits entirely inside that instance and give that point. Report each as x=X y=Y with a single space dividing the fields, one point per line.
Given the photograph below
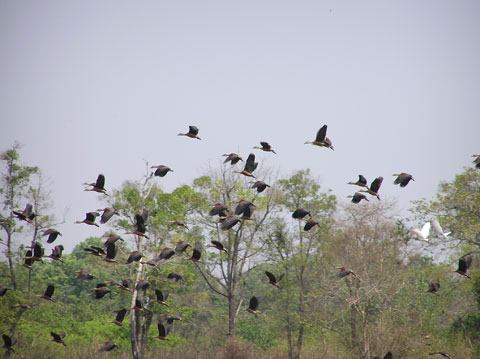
x=192 y=132
x=219 y=209
x=245 y=208
x=108 y=213
x=166 y=253
x=138 y=306
x=111 y=238
x=476 y=161
x=389 y=355
x=47 y=295
x=181 y=247
x=7 y=343
x=108 y=346
x=142 y=285
x=250 y=166
x=433 y=287
x=253 y=305
x=52 y=234
x=58 y=338
x=98 y=186
x=161 y=296
x=362 y=182
x=260 y=186
x=26 y=215
x=111 y=252
x=57 y=253
x=265 y=147
x=90 y=219
x=228 y=223
x=463 y=265
x=218 y=245
x=197 y=253
x=310 y=224
x=162 y=331
x=272 y=280
x=38 y=252
x=28 y=260
x=443 y=354
x=403 y=179
x=357 y=197
x=3 y=290
x=140 y=225
x=134 y=256
x=161 y=170
x=343 y=272
x=374 y=187
x=100 y=291
x=95 y=251
x=300 y=213
x=119 y=318
x=175 y=277
x=233 y=158
x=321 y=139
x=84 y=274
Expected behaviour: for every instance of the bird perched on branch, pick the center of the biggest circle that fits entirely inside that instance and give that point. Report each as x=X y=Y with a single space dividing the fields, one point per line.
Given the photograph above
x=265 y=147
x=161 y=170
x=192 y=132
x=97 y=186
x=250 y=166
x=403 y=179
x=321 y=139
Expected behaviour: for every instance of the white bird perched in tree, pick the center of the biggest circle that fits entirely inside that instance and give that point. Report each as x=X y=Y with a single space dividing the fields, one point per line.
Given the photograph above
x=438 y=229
x=424 y=232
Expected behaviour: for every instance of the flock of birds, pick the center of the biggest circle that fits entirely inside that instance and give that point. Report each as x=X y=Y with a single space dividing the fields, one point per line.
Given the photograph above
x=227 y=220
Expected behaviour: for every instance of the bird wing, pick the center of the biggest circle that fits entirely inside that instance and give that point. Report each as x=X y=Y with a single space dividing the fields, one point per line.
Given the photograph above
x=193 y=130
x=322 y=132
x=241 y=207
x=100 y=183
x=462 y=265
x=28 y=210
x=253 y=303
x=266 y=146
x=197 y=251
x=162 y=332
x=250 y=164
x=362 y=180
x=375 y=185
x=111 y=250
x=438 y=228
x=7 y=340
x=49 y=291
x=217 y=244
x=120 y=315
x=55 y=336
x=271 y=277
x=280 y=277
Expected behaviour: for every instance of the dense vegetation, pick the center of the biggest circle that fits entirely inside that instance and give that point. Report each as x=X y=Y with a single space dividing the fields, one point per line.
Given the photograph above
x=313 y=313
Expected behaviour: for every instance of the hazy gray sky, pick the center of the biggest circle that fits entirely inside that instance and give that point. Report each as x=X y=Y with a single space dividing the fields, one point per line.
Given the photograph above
x=102 y=86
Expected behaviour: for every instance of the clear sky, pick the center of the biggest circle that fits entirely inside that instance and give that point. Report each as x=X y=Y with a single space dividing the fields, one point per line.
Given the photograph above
x=93 y=87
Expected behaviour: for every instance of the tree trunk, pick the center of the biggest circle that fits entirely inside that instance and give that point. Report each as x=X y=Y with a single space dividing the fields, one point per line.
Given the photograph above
x=10 y=262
